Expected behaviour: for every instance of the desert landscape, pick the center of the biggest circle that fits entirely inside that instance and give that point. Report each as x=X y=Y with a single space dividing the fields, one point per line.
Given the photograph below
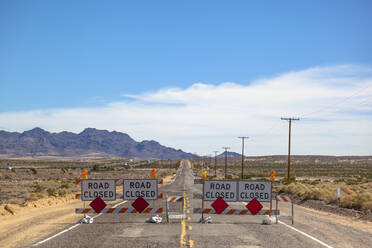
x=314 y=179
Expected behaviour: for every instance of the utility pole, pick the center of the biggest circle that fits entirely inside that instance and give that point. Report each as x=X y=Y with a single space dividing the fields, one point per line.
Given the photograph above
x=243 y=137
x=215 y=163
x=289 y=119
x=226 y=148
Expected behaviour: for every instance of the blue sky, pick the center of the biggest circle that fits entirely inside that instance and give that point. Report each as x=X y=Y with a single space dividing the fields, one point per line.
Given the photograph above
x=86 y=55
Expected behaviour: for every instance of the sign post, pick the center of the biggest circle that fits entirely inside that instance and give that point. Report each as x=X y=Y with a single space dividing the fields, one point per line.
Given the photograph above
x=203 y=178
x=83 y=177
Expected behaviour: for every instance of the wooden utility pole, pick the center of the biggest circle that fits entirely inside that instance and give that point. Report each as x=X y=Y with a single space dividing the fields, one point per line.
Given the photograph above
x=226 y=148
x=243 y=137
x=215 y=163
x=289 y=119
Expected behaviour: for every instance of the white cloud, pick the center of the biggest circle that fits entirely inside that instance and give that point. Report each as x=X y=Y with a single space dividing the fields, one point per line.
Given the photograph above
x=335 y=101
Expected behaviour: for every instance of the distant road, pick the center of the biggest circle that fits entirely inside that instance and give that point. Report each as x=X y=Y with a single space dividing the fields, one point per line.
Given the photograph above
x=311 y=228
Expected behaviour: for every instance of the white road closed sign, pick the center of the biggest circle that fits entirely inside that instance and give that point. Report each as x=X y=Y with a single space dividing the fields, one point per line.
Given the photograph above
x=261 y=190
x=214 y=189
x=145 y=188
x=91 y=189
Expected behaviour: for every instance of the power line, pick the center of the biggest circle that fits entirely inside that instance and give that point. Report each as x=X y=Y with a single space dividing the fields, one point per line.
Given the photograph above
x=338 y=102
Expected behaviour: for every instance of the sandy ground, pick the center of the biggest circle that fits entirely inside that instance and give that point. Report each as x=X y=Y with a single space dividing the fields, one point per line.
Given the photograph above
x=30 y=223
x=40 y=219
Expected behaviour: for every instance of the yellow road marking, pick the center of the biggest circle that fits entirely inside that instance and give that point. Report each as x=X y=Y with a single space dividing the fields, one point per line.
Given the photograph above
x=183 y=222
x=191 y=243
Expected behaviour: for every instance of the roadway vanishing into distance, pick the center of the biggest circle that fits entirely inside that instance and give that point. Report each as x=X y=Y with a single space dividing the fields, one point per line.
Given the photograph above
x=311 y=228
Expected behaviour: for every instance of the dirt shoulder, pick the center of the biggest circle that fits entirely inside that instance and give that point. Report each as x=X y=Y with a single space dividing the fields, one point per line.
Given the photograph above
x=334 y=209
x=37 y=219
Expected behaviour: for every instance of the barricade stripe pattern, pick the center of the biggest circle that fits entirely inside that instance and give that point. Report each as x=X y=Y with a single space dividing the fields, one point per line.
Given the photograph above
x=175 y=198
x=284 y=198
x=118 y=196
x=118 y=210
x=233 y=211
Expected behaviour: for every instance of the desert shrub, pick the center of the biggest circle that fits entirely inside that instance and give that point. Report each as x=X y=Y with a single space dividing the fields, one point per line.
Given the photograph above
x=297 y=189
x=247 y=176
x=321 y=193
x=314 y=182
x=33 y=170
x=95 y=167
x=62 y=192
x=37 y=188
x=229 y=177
x=63 y=170
x=64 y=186
x=346 y=190
x=51 y=192
x=13 y=170
x=286 y=181
x=7 y=177
x=352 y=182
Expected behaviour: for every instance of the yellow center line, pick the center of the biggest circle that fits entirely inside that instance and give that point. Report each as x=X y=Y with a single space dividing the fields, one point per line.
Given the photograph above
x=183 y=242
x=183 y=222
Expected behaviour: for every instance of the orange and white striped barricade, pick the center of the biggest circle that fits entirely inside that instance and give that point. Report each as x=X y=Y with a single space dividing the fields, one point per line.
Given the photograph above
x=285 y=198
x=118 y=211
x=118 y=196
x=172 y=199
x=229 y=211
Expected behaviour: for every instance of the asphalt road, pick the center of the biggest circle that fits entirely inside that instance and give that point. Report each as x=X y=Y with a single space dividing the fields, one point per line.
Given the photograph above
x=131 y=230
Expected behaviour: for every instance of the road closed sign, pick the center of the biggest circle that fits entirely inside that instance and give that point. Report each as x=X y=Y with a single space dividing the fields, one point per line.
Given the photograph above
x=248 y=190
x=214 y=189
x=145 y=188
x=91 y=189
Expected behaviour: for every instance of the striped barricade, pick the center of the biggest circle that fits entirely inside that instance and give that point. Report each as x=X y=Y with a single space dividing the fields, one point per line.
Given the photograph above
x=175 y=198
x=118 y=211
x=233 y=211
x=118 y=196
x=172 y=199
x=285 y=198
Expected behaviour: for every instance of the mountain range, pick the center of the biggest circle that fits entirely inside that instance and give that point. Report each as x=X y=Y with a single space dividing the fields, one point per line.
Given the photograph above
x=90 y=142
x=229 y=154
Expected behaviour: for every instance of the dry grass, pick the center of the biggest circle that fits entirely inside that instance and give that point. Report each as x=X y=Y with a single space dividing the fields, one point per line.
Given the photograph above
x=316 y=181
x=352 y=196
x=35 y=180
